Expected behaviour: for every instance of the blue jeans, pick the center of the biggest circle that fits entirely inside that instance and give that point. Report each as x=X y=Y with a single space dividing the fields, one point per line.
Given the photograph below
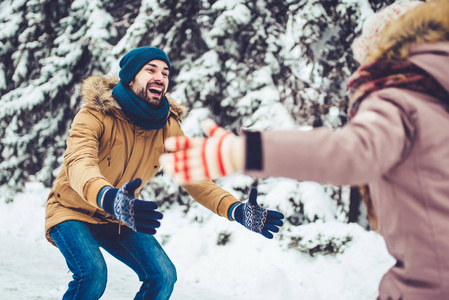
x=80 y=244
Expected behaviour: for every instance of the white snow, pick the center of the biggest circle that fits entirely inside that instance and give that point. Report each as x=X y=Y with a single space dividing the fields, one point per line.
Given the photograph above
x=248 y=267
x=234 y=15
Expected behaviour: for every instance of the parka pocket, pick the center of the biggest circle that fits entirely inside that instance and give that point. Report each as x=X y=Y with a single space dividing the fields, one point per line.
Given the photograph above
x=116 y=151
x=112 y=154
x=158 y=151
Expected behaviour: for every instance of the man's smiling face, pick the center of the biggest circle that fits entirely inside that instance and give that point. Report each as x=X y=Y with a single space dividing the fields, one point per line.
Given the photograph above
x=151 y=83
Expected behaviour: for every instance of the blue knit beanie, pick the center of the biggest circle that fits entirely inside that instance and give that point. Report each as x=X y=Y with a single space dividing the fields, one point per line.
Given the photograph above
x=134 y=60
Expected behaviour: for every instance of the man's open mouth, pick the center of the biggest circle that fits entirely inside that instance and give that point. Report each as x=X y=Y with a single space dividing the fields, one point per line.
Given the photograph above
x=156 y=90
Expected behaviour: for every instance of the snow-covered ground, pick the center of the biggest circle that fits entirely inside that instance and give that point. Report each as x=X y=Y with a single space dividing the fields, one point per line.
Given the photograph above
x=248 y=267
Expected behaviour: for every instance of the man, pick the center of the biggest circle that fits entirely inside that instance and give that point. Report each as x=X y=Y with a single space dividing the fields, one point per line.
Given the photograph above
x=113 y=147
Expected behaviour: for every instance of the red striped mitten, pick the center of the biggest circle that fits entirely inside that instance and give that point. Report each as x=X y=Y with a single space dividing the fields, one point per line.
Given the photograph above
x=197 y=159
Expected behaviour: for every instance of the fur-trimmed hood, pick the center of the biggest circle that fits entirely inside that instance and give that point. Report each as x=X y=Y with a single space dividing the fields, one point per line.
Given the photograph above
x=425 y=23
x=97 y=93
x=421 y=36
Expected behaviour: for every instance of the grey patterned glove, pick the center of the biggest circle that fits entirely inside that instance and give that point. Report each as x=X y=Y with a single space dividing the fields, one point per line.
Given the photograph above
x=256 y=218
x=138 y=215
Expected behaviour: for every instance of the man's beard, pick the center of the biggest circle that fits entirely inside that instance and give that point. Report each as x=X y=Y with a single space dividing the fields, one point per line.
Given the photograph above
x=153 y=102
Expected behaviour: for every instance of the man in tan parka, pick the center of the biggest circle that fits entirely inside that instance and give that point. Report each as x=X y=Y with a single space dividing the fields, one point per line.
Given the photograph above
x=114 y=146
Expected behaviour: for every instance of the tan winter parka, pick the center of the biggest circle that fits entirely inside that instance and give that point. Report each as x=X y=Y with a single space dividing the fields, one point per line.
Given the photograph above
x=105 y=149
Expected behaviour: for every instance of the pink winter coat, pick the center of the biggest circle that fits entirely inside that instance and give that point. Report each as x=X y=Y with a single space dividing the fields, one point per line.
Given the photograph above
x=398 y=143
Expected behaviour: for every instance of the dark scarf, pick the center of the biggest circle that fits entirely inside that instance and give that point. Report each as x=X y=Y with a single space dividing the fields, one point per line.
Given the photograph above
x=138 y=110
x=383 y=74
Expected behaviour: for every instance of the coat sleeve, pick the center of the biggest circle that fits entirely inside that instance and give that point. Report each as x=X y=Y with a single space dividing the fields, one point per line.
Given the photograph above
x=81 y=157
x=206 y=193
x=373 y=142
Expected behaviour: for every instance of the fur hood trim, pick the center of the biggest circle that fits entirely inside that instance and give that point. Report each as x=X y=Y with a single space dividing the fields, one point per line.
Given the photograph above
x=426 y=23
x=97 y=93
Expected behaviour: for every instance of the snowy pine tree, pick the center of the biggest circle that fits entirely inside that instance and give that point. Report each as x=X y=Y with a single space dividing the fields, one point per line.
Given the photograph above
x=254 y=64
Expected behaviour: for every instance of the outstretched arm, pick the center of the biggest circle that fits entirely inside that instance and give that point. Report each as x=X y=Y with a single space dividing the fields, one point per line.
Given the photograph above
x=198 y=159
x=197 y=162
x=374 y=141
